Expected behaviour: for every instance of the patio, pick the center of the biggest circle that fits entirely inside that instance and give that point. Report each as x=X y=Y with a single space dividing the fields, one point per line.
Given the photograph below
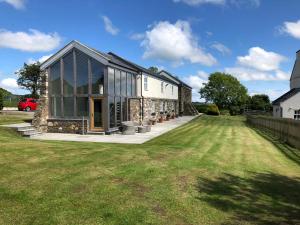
x=138 y=138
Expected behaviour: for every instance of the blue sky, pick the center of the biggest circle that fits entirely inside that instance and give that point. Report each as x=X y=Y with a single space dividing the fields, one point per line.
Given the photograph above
x=255 y=40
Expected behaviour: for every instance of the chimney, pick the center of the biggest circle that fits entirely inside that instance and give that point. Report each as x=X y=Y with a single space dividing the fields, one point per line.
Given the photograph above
x=298 y=54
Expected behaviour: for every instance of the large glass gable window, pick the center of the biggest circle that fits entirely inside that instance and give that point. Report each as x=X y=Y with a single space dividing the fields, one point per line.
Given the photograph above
x=55 y=87
x=97 y=70
x=68 y=77
x=82 y=73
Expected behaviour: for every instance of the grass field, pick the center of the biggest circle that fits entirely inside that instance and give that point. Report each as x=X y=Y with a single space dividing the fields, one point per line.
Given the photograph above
x=10 y=119
x=213 y=170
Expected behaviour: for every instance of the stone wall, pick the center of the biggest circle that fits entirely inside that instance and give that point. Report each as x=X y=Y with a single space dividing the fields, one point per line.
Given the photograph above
x=41 y=114
x=134 y=110
x=185 y=96
x=151 y=106
x=72 y=126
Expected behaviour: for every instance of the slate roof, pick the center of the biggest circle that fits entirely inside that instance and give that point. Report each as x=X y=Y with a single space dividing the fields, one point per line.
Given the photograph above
x=286 y=96
x=181 y=82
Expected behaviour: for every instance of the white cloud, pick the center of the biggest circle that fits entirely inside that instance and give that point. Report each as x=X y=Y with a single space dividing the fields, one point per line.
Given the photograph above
x=32 y=41
x=221 y=48
x=196 y=82
x=247 y=74
x=17 y=4
x=175 y=43
x=261 y=59
x=137 y=36
x=238 y=3
x=109 y=27
x=291 y=28
x=40 y=60
x=9 y=84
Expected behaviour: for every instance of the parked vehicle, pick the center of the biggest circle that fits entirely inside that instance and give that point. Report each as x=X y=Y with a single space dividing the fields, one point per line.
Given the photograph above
x=28 y=104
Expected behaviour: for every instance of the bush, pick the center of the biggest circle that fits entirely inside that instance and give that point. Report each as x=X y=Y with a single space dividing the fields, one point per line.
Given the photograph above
x=1 y=100
x=213 y=109
x=225 y=112
x=201 y=108
x=235 y=110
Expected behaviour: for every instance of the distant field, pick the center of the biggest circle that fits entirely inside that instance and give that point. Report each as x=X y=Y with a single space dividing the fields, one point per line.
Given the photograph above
x=213 y=170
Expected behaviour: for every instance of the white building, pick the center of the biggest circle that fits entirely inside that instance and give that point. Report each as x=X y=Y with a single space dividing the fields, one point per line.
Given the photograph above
x=288 y=105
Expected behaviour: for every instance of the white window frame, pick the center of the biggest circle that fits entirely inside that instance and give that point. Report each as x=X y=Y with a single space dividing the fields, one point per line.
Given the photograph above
x=297 y=114
x=145 y=83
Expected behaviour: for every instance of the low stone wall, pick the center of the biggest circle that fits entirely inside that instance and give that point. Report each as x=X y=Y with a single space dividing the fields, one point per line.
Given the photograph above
x=72 y=126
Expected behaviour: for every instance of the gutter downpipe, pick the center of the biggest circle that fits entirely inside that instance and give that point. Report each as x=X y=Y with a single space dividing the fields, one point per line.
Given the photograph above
x=142 y=102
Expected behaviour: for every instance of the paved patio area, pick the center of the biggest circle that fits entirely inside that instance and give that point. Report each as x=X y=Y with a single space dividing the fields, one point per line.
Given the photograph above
x=156 y=130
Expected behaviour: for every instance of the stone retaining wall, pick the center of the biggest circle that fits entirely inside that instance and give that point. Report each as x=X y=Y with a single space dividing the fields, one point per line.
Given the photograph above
x=72 y=126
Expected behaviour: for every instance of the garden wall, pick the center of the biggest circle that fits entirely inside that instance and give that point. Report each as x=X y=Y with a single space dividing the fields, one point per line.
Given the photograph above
x=287 y=130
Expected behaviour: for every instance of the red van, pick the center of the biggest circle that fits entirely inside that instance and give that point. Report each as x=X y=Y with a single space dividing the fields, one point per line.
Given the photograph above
x=27 y=104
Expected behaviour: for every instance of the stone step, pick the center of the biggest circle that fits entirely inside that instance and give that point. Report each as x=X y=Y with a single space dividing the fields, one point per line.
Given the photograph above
x=32 y=134
x=28 y=132
x=25 y=128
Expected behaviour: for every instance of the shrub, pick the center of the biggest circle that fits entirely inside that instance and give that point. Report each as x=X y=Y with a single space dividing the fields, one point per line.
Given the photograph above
x=235 y=110
x=1 y=100
x=213 y=109
x=201 y=108
x=225 y=112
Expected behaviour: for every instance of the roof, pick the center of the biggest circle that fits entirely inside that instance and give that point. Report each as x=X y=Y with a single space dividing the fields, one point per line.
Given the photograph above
x=286 y=96
x=142 y=69
x=109 y=59
x=176 y=78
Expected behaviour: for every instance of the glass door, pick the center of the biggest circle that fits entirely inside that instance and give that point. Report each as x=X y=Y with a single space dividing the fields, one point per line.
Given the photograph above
x=96 y=114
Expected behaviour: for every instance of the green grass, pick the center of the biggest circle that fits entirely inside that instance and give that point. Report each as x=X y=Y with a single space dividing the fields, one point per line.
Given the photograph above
x=10 y=119
x=213 y=170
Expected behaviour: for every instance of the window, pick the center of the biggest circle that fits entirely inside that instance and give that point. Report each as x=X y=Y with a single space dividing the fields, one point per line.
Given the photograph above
x=68 y=82
x=117 y=82
x=55 y=79
x=82 y=73
x=133 y=85
x=118 y=110
x=82 y=106
x=162 y=87
x=124 y=109
x=111 y=81
x=68 y=107
x=123 y=83
x=111 y=105
x=129 y=76
x=172 y=89
x=297 y=115
x=55 y=103
x=146 y=83
x=97 y=70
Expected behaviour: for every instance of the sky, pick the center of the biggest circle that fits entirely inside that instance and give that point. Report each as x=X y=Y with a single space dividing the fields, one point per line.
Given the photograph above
x=254 y=40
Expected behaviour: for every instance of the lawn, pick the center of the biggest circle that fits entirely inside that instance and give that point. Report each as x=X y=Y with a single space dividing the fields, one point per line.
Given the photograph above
x=213 y=170
x=10 y=119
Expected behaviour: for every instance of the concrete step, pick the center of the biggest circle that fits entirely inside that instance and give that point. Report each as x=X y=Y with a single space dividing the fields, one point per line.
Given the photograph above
x=32 y=134
x=25 y=128
x=95 y=133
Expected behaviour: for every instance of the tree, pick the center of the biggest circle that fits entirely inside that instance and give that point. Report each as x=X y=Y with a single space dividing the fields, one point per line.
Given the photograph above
x=1 y=100
x=225 y=91
x=29 y=77
x=153 y=69
x=260 y=102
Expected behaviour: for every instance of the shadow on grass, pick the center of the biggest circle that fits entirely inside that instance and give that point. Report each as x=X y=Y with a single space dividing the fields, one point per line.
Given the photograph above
x=262 y=198
x=287 y=150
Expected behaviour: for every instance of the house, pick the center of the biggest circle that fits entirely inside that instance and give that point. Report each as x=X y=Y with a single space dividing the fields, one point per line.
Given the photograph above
x=88 y=90
x=288 y=105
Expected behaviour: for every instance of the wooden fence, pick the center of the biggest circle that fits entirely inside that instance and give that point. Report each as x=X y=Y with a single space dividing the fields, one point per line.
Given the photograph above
x=287 y=130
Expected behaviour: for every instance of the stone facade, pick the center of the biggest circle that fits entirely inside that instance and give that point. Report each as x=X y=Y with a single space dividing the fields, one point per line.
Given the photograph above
x=42 y=113
x=185 y=97
x=72 y=126
x=135 y=109
x=151 y=105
